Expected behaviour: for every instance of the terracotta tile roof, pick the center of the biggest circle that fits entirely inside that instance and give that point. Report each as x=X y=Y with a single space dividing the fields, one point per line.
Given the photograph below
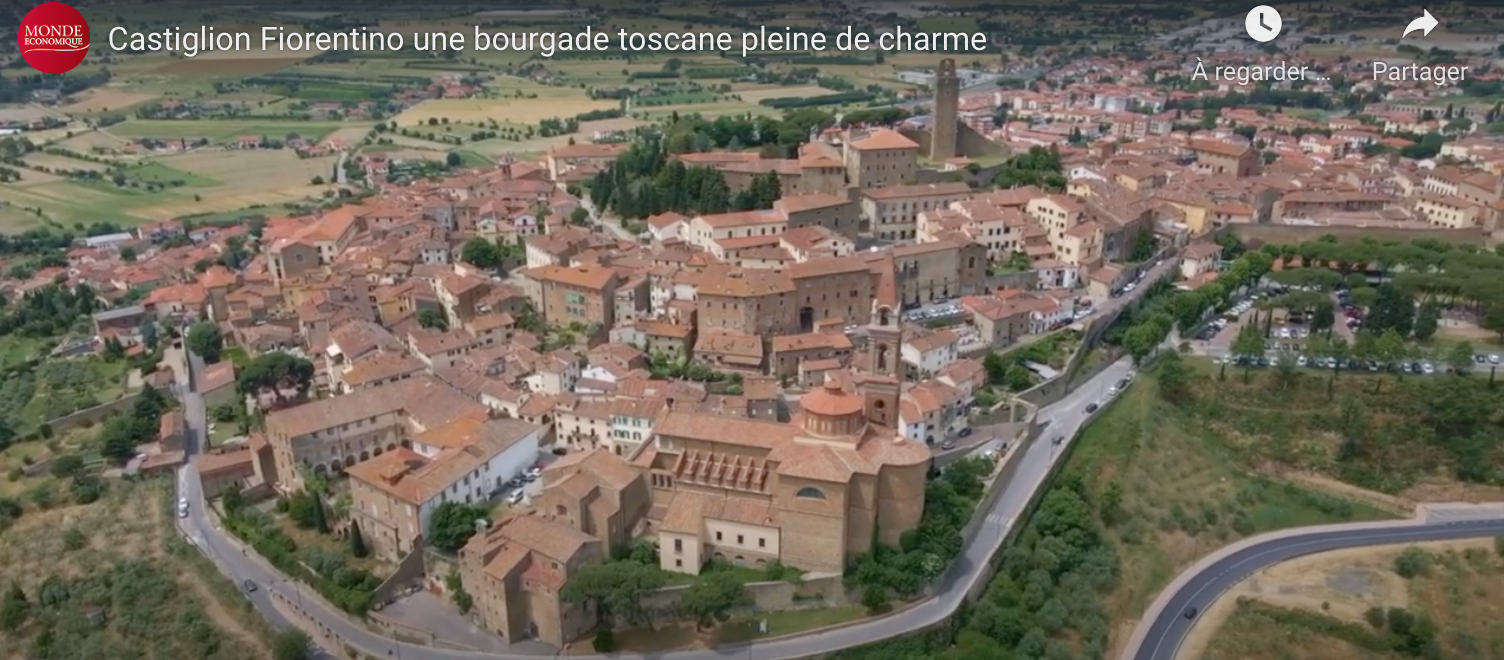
x=553 y=540
x=592 y=278
x=380 y=367
x=424 y=398
x=945 y=189
x=713 y=428
x=225 y=461
x=217 y=375
x=832 y=400
x=599 y=465
x=464 y=445
x=884 y=138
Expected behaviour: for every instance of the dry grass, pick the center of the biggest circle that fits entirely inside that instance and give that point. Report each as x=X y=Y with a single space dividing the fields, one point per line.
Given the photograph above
x=476 y=111
x=206 y=65
x=350 y=136
x=87 y=142
x=22 y=113
x=1184 y=494
x=129 y=522
x=57 y=163
x=246 y=178
x=20 y=455
x=225 y=181
x=1457 y=330
x=102 y=99
x=1463 y=593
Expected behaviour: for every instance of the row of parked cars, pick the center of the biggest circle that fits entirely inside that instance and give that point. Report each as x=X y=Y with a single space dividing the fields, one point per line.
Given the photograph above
x=1220 y=323
x=945 y=311
x=1352 y=316
x=516 y=488
x=1426 y=367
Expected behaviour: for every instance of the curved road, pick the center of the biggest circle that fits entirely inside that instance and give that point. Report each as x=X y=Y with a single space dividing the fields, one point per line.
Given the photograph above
x=1064 y=419
x=1164 y=629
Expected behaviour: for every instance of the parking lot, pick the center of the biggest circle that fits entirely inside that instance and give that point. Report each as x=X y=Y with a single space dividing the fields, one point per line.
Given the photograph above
x=1481 y=362
x=946 y=311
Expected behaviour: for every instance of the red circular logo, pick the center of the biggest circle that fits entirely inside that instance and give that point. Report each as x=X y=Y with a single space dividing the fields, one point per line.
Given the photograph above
x=54 y=38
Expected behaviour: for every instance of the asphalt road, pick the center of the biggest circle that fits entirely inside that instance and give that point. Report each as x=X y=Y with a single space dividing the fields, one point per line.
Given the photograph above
x=1167 y=630
x=1064 y=418
x=199 y=530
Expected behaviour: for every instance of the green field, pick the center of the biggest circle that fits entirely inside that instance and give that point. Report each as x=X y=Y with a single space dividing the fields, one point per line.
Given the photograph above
x=15 y=349
x=224 y=130
x=154 y=172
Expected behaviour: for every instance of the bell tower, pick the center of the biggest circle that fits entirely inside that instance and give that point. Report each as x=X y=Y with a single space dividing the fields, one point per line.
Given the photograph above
x=882 y=364
x=943 y=127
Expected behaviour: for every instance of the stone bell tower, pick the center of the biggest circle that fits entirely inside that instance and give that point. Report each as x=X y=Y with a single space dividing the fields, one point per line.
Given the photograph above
x=944 y=119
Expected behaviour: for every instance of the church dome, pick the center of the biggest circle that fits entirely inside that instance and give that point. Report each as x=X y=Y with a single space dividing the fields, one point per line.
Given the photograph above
x=831 y=411
x=830 y=400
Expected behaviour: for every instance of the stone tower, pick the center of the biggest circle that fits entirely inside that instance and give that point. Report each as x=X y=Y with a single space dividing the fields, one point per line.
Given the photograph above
x=943 y=119
x=882 y=361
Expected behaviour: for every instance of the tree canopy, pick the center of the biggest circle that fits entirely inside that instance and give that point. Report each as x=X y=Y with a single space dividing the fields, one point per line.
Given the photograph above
x=618 y=589
x=205 y=339
x=481 y=253
x=452 y=525
x=712 y=597
x=276 y=373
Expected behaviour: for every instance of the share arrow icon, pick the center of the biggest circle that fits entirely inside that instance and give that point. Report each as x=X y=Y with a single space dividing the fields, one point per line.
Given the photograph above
x=1425 y=24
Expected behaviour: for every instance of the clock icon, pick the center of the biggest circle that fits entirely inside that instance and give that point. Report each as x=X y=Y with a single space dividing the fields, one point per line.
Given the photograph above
x=1263 y=23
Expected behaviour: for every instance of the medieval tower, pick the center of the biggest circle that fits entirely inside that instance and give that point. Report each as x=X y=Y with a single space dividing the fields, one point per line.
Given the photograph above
x=943 y=119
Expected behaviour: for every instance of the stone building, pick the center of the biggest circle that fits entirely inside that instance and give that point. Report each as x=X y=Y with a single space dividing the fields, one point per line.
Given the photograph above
x=812 y=493
x=947 y=102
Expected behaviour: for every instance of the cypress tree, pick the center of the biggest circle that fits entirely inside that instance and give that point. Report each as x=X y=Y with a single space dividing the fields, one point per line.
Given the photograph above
x=357 y=542
x=320 y=520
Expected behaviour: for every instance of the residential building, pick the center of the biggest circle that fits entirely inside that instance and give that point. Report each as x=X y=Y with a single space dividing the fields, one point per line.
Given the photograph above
x=333 y=434
x=394 y=495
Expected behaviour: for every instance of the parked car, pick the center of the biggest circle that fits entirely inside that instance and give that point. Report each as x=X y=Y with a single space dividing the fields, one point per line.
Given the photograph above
x=1091 y=407
x=965 y=432
x=516 y=497
x=948 y=445
x=248 y=585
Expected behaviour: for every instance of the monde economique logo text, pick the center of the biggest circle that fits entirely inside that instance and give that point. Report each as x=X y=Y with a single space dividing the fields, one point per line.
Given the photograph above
x=54 y=38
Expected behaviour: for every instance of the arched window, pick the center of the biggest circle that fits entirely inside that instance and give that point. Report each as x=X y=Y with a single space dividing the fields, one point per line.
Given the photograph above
x=882 y=358
x=884 y=315
x=810 y=492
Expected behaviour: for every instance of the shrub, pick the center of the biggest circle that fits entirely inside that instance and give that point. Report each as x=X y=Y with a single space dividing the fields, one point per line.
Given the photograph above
x=604 y=642
x=1412 y=562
